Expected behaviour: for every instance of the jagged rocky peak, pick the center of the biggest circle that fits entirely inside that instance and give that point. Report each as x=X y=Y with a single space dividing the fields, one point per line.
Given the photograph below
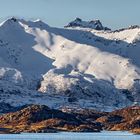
x=94 y=24
x=131 y=27
x=13 y=19
x=10 y=22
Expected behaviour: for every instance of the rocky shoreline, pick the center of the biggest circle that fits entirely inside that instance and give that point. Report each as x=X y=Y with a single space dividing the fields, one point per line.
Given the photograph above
x=42 y=119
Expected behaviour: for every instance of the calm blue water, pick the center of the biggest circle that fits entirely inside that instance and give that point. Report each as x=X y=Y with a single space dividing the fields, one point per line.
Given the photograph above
x=72 y=136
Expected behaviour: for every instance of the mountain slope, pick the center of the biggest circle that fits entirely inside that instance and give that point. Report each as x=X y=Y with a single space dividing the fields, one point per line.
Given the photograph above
x=42 y=119
x=74 y=66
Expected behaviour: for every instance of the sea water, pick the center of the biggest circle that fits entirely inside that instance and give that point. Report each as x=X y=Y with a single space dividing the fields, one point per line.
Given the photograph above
x=72 y=136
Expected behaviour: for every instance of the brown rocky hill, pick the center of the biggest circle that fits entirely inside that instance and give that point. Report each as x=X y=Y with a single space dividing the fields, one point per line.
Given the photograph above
x=127 y=119
x=40 y=118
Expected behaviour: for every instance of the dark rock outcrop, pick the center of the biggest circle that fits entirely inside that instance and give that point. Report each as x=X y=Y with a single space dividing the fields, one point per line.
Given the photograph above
x=40 y=118
x=127 y=119
x=93 y=24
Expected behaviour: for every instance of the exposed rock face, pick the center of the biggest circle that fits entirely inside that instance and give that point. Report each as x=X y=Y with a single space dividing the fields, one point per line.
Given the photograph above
x=40 y=118
x=94 y=24
x=37 y=118
x=127 y=119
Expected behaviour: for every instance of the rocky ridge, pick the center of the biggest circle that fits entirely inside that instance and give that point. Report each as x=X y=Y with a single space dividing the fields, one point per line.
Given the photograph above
x=41 y=119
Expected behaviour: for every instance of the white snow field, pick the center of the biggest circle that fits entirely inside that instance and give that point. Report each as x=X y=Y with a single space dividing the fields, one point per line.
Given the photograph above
x=83 y=65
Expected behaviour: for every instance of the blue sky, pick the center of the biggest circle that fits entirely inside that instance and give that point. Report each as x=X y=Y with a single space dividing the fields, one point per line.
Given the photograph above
x=112 y=13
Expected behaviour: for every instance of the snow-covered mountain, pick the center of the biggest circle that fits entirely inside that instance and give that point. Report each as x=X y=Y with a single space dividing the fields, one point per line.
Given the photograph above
x=78 y=66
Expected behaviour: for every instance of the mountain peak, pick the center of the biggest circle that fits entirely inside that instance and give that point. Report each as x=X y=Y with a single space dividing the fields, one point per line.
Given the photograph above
x=17 y=23
x=10 y=21
x=13 y=19
x=94 y=24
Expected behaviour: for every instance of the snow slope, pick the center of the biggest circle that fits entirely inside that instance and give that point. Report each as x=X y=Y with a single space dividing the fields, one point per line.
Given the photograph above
x=78 y=66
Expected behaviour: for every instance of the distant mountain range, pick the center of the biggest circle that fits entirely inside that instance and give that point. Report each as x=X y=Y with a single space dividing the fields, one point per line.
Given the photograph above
x=83 y=65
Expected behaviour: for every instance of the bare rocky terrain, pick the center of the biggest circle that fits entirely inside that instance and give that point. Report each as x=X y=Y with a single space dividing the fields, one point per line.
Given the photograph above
x=42 y=119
